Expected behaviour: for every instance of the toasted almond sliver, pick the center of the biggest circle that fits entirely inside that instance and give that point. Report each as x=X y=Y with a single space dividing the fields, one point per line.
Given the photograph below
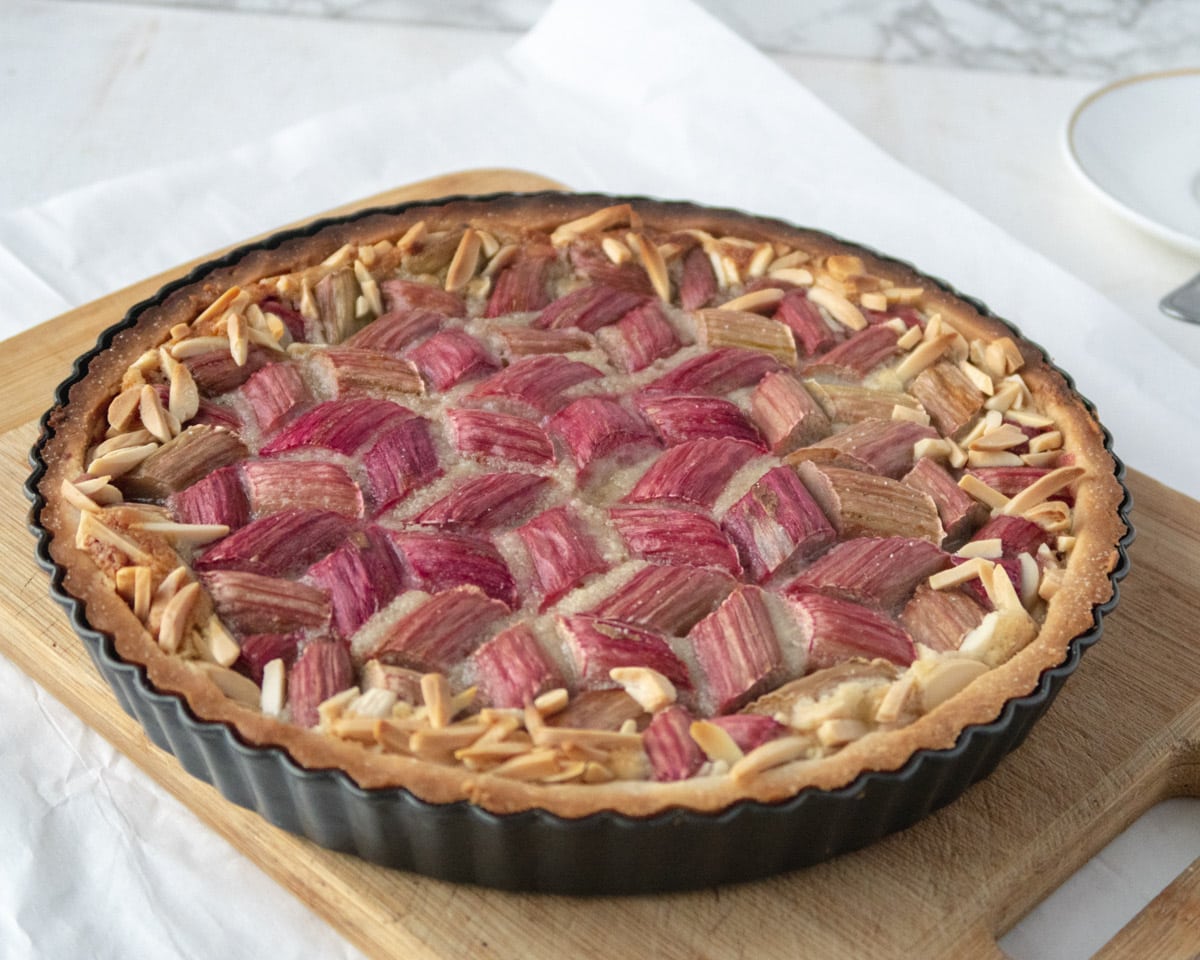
x=875 y=301
x=1028 y=418
x=122 y=408
x=92 y=528
x=547 y=736
x=196 y=346
x=274 y=688
x=234 y=685
x=176 y=619
x=981 y=381
x=190 y=533
x=975 y=568
x=183 y=397
x=838 y=731
x=77 y=498
x=370 y=289
x=615 y=250
x=757 y=301
x=990 y=549
x=986 y=495
x=1044 y=442
x=435 y=689
x=895 y=700
x=375 y=704
x=218 y=306
x=551 y=702
x=945 y=678
x=239 y=339
x=905 y=296
x=534 y=765
x=913 y=414
x=439 y=741
x=652 y=263
x=715 y=741
x=331 y=709
x=154 y=417
x=219 y=644
x=841 y=309
x=465 y=261
x=649 y=688
x=618 y=215
x=773 y=753
x=787 y=261
x=494 y=751
x=925 y=355
x=1004 y=437
x=133 y=584
x=1042 y=489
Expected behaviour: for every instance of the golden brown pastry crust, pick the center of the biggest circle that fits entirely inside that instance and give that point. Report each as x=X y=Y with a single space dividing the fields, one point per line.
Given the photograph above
x=1097 y=528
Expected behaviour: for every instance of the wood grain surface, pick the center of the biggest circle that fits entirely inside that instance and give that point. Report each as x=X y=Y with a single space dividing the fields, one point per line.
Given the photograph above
x=1122 y=736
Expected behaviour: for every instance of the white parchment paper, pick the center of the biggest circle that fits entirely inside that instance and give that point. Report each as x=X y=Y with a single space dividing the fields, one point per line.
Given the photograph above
x=655 y=99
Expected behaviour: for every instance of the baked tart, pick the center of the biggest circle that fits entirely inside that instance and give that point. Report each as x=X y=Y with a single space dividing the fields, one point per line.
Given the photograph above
x=580 y=506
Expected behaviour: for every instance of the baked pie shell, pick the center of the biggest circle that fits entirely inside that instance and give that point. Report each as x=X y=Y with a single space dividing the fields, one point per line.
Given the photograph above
x=1089 y=583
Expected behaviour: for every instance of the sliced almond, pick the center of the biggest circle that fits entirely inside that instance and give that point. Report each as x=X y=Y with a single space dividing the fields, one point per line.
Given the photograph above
x=838 y=307
x=716 y=742
x=465 y=261
x=648 y=687
x=274 y=688
x=652 y=262
x=757 y=301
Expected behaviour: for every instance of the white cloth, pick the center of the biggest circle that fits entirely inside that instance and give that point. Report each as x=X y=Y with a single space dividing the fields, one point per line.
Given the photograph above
x=622 y=97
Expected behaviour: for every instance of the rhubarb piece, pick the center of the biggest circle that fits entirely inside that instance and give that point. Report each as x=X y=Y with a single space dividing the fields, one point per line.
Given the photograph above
x=786 y=413
x=344 y=576
x=441 y=631
x=839 y=630
x=537 y=383
x=850 y=403
x=523 y=341
x=523 y=286
x=182 y=461
x=599 y=710
x=336 y=295
x=673 y=754
x=855 y=357
x=724 y=327
x=941 y=618
x=322 y=670
x=512 y=668
x=259 y=649
x=663 y=535
x=680 y=419
x=750 y=730
x=401 y=460
x=1008 y=480
x=281 y=544
x=216 y=372
x=388 y=576
x=861 y=504
x=775 y=521
x=639 y=338
x=590 y=259
x=357 y=371
x=698 y=283
x=211 y=414
x=593 y=428
x=393 y=332
x=1016 y=535
x=480 y=433
x=667 y=598
x=217 y=498
x=717 y=371
x=252 y=603
x=589 y=308
x=561 y=552
x=876 y=571
x=292 y=319
x=274 y=392
x=343 y=426
x=440 y=561
x=737 y=651
x=948 y=396
x=810 y=329
x=274 y=485
x=694 y=472
x=485 y=502
x=451 y=357
x=405 y=296
x=598 y=645
x=885 y=445
x=959 y=511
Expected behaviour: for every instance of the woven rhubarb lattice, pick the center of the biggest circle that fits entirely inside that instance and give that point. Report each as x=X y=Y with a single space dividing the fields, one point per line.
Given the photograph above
x=582 y=505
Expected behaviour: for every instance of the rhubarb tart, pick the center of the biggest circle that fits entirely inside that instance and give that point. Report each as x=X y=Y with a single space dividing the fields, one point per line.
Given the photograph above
x=579 y=506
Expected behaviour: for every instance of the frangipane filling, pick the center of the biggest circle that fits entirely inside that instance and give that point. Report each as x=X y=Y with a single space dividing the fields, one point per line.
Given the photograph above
x=604 y=503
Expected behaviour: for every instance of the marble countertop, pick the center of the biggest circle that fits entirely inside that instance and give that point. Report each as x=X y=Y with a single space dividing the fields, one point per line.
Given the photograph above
x=96 y=90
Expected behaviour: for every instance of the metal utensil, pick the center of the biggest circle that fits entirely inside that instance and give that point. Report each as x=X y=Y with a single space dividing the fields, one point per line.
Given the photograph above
x=1184 y=303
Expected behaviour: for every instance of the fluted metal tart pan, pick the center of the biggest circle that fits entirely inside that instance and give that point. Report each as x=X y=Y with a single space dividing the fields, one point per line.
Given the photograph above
x=605 y=852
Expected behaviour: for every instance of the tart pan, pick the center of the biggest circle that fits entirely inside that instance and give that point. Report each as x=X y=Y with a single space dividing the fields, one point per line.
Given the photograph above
x=605 y=853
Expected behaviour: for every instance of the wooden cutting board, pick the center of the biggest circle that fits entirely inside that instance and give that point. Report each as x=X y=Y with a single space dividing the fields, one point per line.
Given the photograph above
x=1122 y=736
